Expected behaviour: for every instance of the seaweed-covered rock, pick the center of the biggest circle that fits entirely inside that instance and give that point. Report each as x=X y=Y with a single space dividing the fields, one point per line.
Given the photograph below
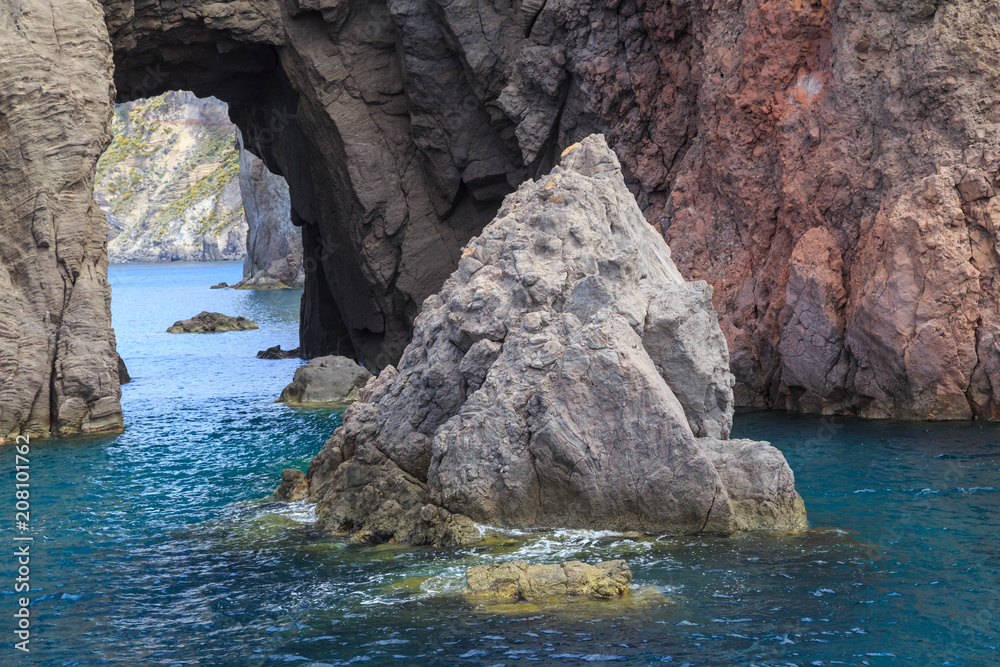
x=522 y=581
x=565 y=375
x=206 y=322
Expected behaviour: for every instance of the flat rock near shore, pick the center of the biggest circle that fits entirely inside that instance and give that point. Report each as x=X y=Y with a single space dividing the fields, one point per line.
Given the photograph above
x=206 y=322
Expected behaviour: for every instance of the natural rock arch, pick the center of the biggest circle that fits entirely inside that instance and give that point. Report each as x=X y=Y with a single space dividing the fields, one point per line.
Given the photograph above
x=400 y=124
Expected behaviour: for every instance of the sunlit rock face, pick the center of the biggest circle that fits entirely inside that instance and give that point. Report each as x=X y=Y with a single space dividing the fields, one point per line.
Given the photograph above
x=168 y=183
x=400 y=125
x=566 y=375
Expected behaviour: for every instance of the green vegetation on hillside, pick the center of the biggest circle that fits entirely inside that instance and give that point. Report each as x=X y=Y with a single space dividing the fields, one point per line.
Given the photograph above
x=171 y=156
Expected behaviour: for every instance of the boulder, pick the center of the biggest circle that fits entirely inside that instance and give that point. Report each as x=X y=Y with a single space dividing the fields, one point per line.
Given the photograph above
x=277 y=353
x=521 y=581
x=566 y=375
x=325 y=380
x=222 y=285
x=206 y=322
x=294 y=486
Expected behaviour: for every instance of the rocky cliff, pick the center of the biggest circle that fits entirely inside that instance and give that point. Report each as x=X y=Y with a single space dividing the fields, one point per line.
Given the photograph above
x=168 y=182
x=565 y=376
x=829 y=167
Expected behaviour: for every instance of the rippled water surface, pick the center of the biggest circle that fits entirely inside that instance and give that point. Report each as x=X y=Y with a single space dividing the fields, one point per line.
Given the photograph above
x=157 y=547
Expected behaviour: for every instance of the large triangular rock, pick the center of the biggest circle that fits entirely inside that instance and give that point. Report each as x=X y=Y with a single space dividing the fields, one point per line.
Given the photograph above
x=565 y=375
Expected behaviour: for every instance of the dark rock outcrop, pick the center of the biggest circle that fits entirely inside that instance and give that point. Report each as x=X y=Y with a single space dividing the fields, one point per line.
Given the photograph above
x=206 y=322
x=566 y=375
x=294 y=486
x=123 y=376
x=520 y=580
x=325 y=381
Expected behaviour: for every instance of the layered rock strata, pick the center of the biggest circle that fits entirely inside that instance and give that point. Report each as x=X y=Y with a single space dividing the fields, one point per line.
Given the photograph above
x=58 y=366
x=565 y=375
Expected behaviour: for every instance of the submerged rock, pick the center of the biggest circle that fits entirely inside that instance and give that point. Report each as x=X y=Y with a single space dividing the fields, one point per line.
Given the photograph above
x=294 y=486
x=277 y=353
x=519 y=580
x=206 y=322
x=274 y=244
x=325 y=380
x=565 y=375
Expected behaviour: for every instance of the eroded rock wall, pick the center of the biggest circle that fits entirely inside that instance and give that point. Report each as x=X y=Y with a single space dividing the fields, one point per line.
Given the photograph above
x=58 y=366
x=742 y=127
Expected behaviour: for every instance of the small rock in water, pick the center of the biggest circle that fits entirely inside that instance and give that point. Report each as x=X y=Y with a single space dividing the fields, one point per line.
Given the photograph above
x=519 y=580
x=294 y=486
x=277 y=353
x=222 y=285
x=123 y=376
x=326 y=380
x=206 y=322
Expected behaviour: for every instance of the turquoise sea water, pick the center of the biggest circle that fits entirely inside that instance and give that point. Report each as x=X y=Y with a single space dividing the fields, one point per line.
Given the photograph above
x=157 y=546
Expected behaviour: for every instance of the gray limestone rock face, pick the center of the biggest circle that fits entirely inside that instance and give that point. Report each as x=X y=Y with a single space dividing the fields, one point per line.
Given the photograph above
x=274 y=245
x=326 y=380
x=565 y=375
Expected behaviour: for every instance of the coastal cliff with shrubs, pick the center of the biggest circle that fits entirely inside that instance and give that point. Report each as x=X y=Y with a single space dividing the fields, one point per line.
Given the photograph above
x=169 y=182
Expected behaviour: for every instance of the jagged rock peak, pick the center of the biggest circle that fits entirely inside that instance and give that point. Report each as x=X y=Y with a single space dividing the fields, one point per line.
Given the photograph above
x=565 y=375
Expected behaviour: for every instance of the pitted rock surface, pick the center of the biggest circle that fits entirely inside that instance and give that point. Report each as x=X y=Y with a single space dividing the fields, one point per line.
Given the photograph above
x=539 y=389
